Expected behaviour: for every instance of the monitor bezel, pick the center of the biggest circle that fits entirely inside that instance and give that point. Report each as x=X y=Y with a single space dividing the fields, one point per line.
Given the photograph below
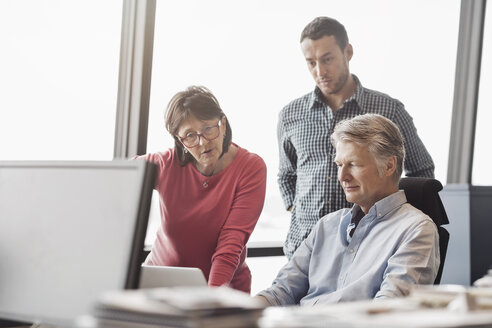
x=149 y=173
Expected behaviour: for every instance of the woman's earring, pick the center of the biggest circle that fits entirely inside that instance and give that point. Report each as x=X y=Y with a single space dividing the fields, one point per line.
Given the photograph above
x=186 y=151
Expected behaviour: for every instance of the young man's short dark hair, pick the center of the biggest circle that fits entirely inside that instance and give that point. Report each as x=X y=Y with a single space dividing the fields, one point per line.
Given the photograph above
x=321 y=26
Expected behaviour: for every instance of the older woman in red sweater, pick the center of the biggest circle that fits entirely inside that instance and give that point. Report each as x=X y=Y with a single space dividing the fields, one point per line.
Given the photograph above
x=211 y=192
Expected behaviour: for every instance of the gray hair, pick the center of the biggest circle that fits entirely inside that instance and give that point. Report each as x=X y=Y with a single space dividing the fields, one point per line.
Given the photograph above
x=379 y=134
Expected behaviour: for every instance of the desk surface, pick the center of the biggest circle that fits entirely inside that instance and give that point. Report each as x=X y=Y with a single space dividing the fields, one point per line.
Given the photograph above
x=202 y=307
x=323 y=317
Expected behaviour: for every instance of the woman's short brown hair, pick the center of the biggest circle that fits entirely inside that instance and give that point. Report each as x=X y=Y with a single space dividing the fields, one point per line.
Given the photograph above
x=198 y=102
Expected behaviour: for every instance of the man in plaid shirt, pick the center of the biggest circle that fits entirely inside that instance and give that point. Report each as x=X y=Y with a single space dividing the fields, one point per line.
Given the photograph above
x=307 y=174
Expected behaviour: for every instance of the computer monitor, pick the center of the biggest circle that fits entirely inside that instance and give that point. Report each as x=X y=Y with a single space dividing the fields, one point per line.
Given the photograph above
x=69 y=230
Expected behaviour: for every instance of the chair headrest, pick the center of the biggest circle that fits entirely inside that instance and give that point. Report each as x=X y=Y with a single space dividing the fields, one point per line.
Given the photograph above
x=423 y=193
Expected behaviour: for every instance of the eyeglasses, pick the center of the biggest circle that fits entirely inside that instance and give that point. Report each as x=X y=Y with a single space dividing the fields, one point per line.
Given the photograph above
x=209 y=133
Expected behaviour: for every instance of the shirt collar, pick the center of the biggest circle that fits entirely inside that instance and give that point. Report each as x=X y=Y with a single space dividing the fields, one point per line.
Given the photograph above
x=315 y=98
x=358 y=96
x=381 y=207
x=377 y=211
x=388 y=204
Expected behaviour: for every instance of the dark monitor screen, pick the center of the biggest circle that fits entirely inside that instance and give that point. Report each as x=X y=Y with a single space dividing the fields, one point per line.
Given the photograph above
x=69 y=230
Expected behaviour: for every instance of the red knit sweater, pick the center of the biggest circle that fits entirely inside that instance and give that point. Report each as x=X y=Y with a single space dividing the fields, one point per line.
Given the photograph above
x=207 y=221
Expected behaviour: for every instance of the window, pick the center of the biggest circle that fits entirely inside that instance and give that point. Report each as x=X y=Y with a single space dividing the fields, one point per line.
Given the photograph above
x=59 y=74
x=59 y=80
x=248 y=54
x=482 y=174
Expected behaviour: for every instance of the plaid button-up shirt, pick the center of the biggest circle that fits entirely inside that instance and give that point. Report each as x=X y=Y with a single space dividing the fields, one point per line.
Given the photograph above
x=307 y=174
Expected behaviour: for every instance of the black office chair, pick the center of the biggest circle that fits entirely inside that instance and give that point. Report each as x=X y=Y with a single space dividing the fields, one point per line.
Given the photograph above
x=423 y=193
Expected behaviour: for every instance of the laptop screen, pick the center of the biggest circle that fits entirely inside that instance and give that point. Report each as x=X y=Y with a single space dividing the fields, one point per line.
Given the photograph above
x=68 y=232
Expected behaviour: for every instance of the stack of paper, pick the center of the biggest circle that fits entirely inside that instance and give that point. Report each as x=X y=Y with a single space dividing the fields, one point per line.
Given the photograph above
x=178 y=307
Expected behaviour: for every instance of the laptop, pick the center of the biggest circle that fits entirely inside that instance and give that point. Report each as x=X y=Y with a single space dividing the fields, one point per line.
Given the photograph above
x=152 y=276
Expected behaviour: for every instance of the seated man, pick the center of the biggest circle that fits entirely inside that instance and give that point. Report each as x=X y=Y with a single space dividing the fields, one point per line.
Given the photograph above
x=376 y=249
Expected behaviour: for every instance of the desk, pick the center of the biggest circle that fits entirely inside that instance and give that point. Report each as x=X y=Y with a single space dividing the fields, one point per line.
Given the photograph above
x=313 y=317
x=393 y=313
x=203 y=307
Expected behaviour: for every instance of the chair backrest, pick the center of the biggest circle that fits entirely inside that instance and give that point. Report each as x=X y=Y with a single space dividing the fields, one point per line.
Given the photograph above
x=423 y=193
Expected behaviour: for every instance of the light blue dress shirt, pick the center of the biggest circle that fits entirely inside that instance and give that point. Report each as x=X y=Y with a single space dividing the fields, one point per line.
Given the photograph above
x=394 y=246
